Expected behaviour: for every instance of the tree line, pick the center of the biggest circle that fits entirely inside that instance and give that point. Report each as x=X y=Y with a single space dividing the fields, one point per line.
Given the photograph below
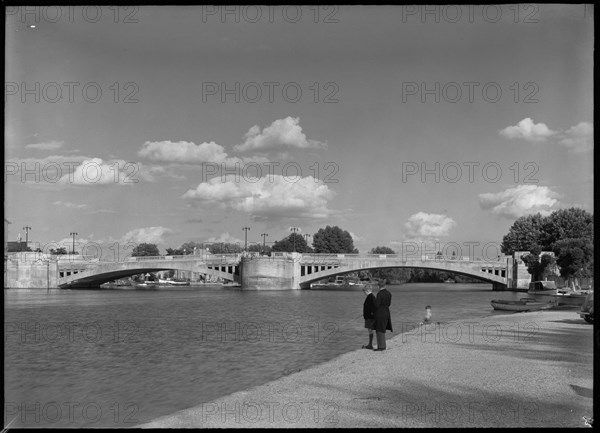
x=325 y=240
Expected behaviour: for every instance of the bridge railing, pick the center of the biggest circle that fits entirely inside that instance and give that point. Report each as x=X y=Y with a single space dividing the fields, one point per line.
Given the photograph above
x=306 y=257
x=320 y=257
x=220 y=258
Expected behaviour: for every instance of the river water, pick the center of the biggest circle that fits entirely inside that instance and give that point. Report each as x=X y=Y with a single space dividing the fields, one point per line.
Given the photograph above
x=117 y=358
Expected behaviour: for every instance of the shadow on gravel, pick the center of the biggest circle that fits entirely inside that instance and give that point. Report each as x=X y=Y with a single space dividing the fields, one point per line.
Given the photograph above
x=572 y=322
x=563 y=345
x=416 y=404
x=582 y=391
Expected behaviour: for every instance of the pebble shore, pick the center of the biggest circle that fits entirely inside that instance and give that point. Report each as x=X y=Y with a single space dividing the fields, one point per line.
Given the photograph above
x=516 y=370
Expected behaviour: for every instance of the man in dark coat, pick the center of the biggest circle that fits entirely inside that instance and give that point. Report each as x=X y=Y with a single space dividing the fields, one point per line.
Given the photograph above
x=369 y=315
x=383 y=320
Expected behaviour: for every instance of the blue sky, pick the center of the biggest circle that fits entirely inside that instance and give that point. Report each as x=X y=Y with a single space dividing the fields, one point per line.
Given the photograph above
x=150 y=124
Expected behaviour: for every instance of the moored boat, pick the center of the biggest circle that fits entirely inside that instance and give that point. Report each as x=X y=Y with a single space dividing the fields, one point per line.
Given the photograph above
x=547 y=291
x=146 y=285
x=345 y=284
x=522 y=305
x=175 y=282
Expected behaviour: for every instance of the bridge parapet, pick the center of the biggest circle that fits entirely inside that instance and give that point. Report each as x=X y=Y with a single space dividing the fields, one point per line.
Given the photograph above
x=319 y=258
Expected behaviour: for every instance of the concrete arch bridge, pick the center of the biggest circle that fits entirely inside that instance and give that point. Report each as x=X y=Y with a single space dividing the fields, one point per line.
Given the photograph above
x=281 y=271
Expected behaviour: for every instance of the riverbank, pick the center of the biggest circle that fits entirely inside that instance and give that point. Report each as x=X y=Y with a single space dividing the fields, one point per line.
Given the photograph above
x=518 y=370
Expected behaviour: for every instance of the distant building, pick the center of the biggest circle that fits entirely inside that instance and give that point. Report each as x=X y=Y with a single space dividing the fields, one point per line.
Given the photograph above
x=16 y=246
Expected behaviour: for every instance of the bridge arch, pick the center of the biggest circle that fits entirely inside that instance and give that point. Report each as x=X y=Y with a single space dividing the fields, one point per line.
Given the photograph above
x=469 y=270
x=106 y=272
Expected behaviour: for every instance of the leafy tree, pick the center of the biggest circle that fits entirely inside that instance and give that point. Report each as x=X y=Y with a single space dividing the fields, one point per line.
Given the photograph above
x=382 y=250
x=175 y=252
x=293 y=242
x=523 y=235
x=572 y=223
x=333 y=240
x=188 y=247
x=537 y=266
x=418 y=275
x=575 y=257
x=144 y=249
x=185 y=249
x=258 y=248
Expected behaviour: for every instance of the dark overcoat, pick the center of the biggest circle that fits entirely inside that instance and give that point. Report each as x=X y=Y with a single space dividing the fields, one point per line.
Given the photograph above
x=383 y=320
x=369 y=307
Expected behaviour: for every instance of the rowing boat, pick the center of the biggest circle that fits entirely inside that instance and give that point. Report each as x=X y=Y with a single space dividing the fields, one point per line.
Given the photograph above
x=523 y=305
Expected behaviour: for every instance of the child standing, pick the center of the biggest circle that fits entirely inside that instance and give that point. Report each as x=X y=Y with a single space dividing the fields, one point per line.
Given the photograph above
x=427 y=317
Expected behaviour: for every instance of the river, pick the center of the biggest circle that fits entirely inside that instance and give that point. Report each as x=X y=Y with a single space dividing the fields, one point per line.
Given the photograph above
x=117 y=358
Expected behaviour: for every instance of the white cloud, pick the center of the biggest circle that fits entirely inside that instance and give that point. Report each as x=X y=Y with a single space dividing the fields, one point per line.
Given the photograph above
x=528 y=130
x=424 y=224
x=269 y=198
x=519 y=201
x=61 y=170
x=225 y=238
x=70 y=205
x=94 y=171
x=356 y=238
x=150 y=235
x=49 y=145
x=281 y=133
x=183 y=152
x=579 y=138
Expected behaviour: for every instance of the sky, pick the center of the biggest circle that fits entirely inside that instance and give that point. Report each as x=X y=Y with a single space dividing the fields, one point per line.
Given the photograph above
x=400 y=124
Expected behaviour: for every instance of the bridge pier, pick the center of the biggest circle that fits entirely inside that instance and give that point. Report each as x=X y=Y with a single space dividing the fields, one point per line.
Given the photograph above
x=497 y=287
x=273 y=273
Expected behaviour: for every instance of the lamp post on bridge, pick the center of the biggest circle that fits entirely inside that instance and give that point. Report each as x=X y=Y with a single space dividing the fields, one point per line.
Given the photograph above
x=264 y=236
x=73 y=234
x=246 y=237
x=26 y=228
x=306 y=236
x=294 y=230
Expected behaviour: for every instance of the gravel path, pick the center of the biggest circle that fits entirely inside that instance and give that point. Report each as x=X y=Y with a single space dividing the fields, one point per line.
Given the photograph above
x=517 y=370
